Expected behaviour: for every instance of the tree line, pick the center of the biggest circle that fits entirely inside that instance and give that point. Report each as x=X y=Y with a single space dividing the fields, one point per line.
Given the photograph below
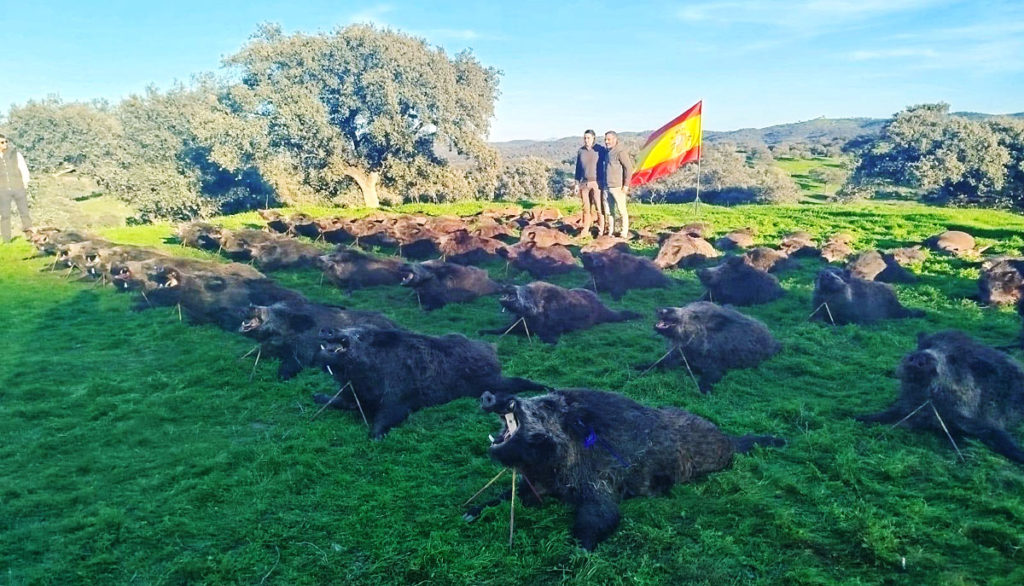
x=364 y=116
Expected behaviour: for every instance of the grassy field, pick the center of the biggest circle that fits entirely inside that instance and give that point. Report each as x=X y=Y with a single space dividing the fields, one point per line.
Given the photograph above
x=139 y=449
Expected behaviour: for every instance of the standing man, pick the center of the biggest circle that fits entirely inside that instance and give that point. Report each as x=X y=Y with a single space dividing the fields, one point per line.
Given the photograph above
x=618 y=170
x=13 y=185
x=587 y=159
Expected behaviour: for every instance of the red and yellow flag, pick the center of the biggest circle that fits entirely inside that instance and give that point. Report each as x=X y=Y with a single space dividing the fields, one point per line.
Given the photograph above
x=670 y=147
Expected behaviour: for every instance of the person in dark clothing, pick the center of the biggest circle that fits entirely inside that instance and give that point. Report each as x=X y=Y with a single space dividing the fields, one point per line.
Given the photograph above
x=618 y=170
x=587 y=186
x=13 y=186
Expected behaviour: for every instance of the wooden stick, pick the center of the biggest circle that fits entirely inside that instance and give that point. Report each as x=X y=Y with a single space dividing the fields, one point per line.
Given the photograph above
x=255 y=364
x=486 y=486
x=687 y=363
x=949 y=435
x=511 y=327
x=911 y=414
x=179 y=312
x=249 y=353
x=512 y=511
x=328 y=403
x=358 y=404
x=657 y=362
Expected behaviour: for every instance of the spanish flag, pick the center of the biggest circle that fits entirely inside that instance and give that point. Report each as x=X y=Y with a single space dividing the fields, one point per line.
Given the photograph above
x=670 y=147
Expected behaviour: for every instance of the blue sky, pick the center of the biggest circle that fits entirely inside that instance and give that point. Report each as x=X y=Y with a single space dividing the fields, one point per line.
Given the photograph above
x=568 y=66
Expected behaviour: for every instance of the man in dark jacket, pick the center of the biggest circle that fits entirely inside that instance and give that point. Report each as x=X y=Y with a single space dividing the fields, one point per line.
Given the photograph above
x=587 y=167
x=618 y=170
x=13 y=186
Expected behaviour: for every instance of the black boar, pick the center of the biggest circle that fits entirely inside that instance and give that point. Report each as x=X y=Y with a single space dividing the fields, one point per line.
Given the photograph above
x=461 y=247
x=683 y=249
x=290 y=330
x=616 y=272
x=284 y=253
x=849 y=300
x=1001 y=281
x=742 y=238
x=768 y=259
x=837 y=248
x=737 y=283
x=873 y=265
x=591 y=449
x=438 y=283
x=713 y=339
x=350 y=269
x=976 y=390
x=394 y=372
x=799 y=244
x=240 y=245
x=549 y=311
x=539 y=262
x=276 y=221
x=953 y=242
x=544 y=237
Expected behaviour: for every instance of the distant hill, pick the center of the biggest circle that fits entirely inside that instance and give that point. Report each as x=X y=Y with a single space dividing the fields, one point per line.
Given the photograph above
x=816 y=131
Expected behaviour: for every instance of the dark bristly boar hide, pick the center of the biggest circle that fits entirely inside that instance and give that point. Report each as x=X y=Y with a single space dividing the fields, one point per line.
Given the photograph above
x=101 y=263
x=768 y=259
x=488 y=227
x=841 y=298
x=838 y=247
x=873 y=265
x=284 y=253
x=239 y=245
x=438 y=283
x=591 y=449
x=742 y=238
x=544 y=237
x=684 y=250
x=616 y=272
x=606 y=242
x=350 y=269
x=1001 y=281
x=214 y=293
x=549 y=310
x=539 y=262
x=713 y=339
x=909 y=255
x=461 y=247
x=304 y=225
x=735 y=282
x=395 y=372
x=290 y=330
x=952 y=242
x=336 y=230
x=276 y=221
x=202 y=235
x=976 y=390
x=799 y=244
x=416 y=242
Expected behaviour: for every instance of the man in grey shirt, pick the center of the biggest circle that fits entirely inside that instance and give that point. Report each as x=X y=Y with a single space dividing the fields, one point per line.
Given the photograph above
x=618 y=170
x=13 y=186
x=587 y=158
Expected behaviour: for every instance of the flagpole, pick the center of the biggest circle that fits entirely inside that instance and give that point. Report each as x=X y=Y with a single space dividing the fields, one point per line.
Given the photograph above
x=700 y=155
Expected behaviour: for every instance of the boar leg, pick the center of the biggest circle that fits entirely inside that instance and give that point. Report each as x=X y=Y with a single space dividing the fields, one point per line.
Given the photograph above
x=597 y=516
x=387 y=418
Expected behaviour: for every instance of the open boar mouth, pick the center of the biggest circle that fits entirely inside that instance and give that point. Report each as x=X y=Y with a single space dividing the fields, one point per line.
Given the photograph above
x=510 y=428
x=170 y=281
x=250 y=324
x=408 y=278
x=663 y=325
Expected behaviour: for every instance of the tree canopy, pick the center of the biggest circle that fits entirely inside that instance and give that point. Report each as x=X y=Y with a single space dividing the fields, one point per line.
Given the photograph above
x=360 y=104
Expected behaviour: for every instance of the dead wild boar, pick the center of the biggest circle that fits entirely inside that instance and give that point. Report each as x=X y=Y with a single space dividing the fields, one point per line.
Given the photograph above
x=737 y=283
x=351 y=269
x=395 y=372
x=977 y=392
x=616 y=272
x=438 y=283
x=713 y=340
x=548 y=310
x=591 y=449
x=841 y=298
x=539 y=262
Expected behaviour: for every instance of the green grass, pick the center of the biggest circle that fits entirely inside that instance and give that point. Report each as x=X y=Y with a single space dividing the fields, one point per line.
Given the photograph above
x=136 y=449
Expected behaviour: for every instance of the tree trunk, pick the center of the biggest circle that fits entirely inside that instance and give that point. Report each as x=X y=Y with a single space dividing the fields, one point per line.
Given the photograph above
x=367 y=184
